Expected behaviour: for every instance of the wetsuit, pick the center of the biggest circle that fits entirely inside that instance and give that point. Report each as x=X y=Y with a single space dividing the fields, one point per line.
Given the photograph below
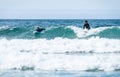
x=86 y=25
x=40 y=29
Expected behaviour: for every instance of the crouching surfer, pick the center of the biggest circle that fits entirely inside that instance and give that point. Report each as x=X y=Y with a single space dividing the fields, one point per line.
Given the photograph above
x=86 y=25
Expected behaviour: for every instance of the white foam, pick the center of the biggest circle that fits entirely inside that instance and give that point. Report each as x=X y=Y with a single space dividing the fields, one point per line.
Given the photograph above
x=95 y=44
x=4 y=27
x=83 y=32
x=21 y=52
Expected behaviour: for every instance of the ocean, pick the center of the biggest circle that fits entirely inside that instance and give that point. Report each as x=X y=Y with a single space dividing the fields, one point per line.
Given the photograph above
x=63 y=49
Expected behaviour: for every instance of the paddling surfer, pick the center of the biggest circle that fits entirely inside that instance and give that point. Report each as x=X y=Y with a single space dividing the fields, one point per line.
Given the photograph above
x=38 y=29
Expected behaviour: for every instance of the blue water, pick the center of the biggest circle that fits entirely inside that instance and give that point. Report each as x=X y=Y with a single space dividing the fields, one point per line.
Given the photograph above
x=64 y=49
x=24 y=29
x=58 y=74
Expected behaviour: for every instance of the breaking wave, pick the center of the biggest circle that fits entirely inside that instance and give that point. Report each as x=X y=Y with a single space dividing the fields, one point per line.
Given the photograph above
x=70 y=32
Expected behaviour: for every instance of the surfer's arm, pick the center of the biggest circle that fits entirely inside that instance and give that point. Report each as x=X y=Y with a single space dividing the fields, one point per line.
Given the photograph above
x=84 y=26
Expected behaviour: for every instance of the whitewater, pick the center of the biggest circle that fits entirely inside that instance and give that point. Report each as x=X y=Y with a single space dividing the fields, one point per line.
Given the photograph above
x=60 y=48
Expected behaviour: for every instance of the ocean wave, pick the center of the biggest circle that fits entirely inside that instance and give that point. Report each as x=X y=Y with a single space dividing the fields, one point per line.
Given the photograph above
x=94 y=44
x=54 y=32
x=113 y=32
x=102 y=32
x=28 y=33
x=38 y=54
x=88 y=63
x=70 y=32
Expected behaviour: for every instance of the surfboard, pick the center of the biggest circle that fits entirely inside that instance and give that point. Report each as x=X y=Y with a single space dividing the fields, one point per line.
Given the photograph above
x=35 y=32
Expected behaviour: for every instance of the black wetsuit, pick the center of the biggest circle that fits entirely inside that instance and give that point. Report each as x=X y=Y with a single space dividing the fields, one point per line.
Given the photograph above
x=86 y=25
x=40 y=29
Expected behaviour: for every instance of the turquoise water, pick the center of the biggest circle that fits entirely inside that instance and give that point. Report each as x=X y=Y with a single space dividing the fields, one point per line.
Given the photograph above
x=64 y=49
x=24 y=29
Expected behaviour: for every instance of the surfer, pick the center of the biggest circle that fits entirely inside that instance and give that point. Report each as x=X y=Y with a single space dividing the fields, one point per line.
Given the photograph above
x=86 y=25
x=38 y=29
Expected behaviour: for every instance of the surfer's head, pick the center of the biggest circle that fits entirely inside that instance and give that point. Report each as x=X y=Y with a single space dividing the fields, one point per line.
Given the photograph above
x=86 y=21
